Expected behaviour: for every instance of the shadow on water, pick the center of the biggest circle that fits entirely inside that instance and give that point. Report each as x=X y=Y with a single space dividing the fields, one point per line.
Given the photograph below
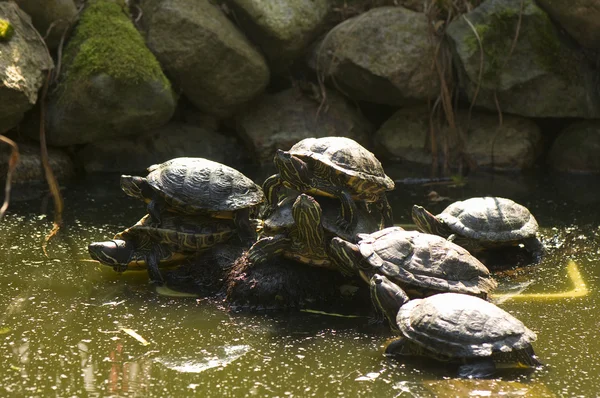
x=71 y=327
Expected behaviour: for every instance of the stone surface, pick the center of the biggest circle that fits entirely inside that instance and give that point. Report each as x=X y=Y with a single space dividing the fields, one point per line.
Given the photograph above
x=23 y=65
x=545 y=76
x=204 y=54
x=111 y=84
x=173 y=140
x=513 y=146
x=577 y=148
x=581 y=18
x=382 y=56
x=47 y=13
x=278 y=121
x=30 y=170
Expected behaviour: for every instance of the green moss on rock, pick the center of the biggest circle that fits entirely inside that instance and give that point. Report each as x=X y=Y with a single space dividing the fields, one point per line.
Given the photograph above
x=106 y=42
x=6 y=30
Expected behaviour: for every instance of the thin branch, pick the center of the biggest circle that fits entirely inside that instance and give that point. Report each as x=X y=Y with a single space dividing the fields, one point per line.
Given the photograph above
x=12 y=164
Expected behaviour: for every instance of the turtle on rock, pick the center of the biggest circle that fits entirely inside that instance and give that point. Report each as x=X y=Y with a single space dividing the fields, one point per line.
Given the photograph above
x=468 y=331
x=198 y=186
x=332 y=166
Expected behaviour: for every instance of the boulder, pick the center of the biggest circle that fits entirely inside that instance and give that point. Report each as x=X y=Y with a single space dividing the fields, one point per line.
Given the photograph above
x=135 y=154
x=57 y=14
x=24 y=63
x=396 y=71
x=543 y=75
x=580 y=18
x=278 y=121
x=204 y=54
x=577 y=148
x=515 y=145
x=282 y=29
x=29 y=170
x=111 y=85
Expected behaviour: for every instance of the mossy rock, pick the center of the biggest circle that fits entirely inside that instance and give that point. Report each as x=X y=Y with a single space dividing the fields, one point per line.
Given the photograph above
x=6 y=30
x=111 y=83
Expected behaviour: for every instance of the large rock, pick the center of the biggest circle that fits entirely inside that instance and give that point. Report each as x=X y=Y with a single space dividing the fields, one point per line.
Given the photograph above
x=581 y=18
x=23 y=65
x=382 y=56
x=543 y=76
x=515 y=145
x=204 y=54
x=577 y=148
x=173 y=140
x=282 y=29
x=280 y=120
x=57 y=14
x=30 y=169
x=111 y=85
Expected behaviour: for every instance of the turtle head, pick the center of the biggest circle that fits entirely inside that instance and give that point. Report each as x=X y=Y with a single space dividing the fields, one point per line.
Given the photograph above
x=116 y=253
x=346 y=256
x=387 y=298
x=136 y=187
x=293 y=171
x=306 y=210
x=428 y=223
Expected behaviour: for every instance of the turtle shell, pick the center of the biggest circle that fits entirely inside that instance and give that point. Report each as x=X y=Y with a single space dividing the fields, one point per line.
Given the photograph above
x=491 y=219
x=424 y=261
x=460 y=326
x=347 y=157
x=181 y=233
x=195 y=185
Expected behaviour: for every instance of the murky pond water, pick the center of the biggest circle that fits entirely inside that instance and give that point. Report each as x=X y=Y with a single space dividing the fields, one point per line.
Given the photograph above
x=66 y=323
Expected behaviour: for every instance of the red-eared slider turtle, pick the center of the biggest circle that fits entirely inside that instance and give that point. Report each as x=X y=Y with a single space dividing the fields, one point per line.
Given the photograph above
x=332 y=166
x=177 y=238
x=481 y=223
x=472 y=332
x=422 y=264
x=198 y=186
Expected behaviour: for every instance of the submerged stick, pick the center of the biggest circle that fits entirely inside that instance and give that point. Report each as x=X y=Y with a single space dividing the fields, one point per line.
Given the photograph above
x=12 y=165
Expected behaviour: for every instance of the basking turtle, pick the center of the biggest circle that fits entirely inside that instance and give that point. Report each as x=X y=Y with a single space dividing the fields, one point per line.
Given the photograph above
x=423 y=264
x=332 y=166
x=198 y=186
x=472 y=332
x=483 y=223
x=177 y=238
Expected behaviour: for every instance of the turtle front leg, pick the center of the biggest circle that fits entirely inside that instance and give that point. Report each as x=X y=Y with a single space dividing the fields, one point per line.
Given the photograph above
x=246 y=231
x=153 y=269
x=271 y=188
x=386 y=211
x=347 y=219
x=536 y=248
x=154 y=209
x=267 y=247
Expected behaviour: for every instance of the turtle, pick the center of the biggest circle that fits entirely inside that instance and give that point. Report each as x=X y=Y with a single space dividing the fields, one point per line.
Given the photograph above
x=198 y=186
x=453 y=327
x=422 y=264
x=332 y=166
x=483 y=223
x=144 y=244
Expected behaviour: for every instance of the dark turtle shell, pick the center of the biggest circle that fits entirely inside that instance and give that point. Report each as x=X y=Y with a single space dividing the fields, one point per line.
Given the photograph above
x=490 y=219
x=196 y=185
x=424 y=261
x=460 y=326
x=344 y=156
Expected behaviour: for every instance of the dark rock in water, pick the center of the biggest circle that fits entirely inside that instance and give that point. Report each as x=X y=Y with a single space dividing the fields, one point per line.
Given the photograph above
x=30 y=170
x=576 y=148
x=281 y=284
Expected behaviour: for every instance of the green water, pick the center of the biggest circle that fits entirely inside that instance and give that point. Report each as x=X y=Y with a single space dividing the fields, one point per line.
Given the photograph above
x=62 y=318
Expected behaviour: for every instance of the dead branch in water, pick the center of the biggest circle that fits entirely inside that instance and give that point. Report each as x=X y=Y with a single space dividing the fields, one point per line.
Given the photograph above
x=12 y=164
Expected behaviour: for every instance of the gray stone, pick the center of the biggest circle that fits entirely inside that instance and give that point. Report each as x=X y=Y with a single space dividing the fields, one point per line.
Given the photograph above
x=280 y=120
x=577 y=148
x=50 y=13
x=382 y=56
x=204 y=54
x=134 y=154
x=30 y=169
x=513 y=146
x=544 y=76
x=111 y=85
x=581 y=18
x=23 y=65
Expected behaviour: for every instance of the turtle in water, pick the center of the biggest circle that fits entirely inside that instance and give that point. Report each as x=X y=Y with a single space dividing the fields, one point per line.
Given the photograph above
x=483 y=223
x=144 y=244
x=422 y=264
x=332 y=166
x=198 y=186
x=451 y=327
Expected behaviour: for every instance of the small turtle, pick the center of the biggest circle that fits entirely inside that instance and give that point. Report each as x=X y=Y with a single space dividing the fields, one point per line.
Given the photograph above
x=198 y=186
x=332 y=166
x=483 y=223
x=467 y=330
x=145 y=244
x=423 y=264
